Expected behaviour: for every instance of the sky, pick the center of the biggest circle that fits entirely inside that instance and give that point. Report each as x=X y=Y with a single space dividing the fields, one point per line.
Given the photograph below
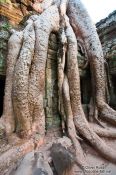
x=99 y=9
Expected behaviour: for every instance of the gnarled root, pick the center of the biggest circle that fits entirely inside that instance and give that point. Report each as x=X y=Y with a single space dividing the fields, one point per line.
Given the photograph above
x=80 y=158
x=20 y=81
x=93 y=113
x=83 y=26
x=29 y=79
x=10 y=158
x=43 y=28
x=74 y=85
x=107 y=113
x=14 y=46
x=103 y=132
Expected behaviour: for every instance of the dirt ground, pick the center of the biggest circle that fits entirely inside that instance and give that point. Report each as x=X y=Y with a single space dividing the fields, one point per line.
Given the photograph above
x=96 y=163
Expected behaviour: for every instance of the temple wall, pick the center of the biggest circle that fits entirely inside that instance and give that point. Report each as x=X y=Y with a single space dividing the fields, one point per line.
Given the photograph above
x=107 y=33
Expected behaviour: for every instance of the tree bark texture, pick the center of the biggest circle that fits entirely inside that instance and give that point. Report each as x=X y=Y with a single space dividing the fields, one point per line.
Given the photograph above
x=25 y=78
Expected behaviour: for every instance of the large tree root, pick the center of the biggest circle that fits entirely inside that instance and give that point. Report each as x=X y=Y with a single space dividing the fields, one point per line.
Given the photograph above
x=103 y=132
x=64 y=97
x=74 y=85
x=10 y=157
x=21 y=78
x=80 y=158
x=107 y=113
x=61 y=58
x=13 y=53
x=27 y=76
x=84 y=27
x=43 y=28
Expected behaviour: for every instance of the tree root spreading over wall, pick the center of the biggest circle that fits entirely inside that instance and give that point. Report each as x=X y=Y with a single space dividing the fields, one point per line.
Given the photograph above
x=25 y=78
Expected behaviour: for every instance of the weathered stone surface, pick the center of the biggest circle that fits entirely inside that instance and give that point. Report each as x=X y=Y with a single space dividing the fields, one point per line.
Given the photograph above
x=107 y=33
x=51 y=92
x=33 y=163
x=4 y=36
x=65 y=142
x=2 y=130
x=63 y=159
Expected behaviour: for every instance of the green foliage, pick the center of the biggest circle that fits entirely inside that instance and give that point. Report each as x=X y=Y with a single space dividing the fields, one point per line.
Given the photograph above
x=114 y=57
x=6 y=26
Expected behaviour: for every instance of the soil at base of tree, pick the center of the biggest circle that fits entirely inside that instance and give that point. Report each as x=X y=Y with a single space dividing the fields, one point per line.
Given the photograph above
x=96 y=163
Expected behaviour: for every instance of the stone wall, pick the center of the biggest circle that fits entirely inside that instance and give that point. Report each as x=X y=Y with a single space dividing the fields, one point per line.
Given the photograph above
x=10 y=16
x=4 y=36
x=107 y=33
x=51 y=90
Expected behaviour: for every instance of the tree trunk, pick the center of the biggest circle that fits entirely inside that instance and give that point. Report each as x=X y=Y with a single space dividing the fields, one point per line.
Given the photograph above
x=74 y=86
x=21 y=78
x=84 y=28
x=43 y=28
x=13 y=53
